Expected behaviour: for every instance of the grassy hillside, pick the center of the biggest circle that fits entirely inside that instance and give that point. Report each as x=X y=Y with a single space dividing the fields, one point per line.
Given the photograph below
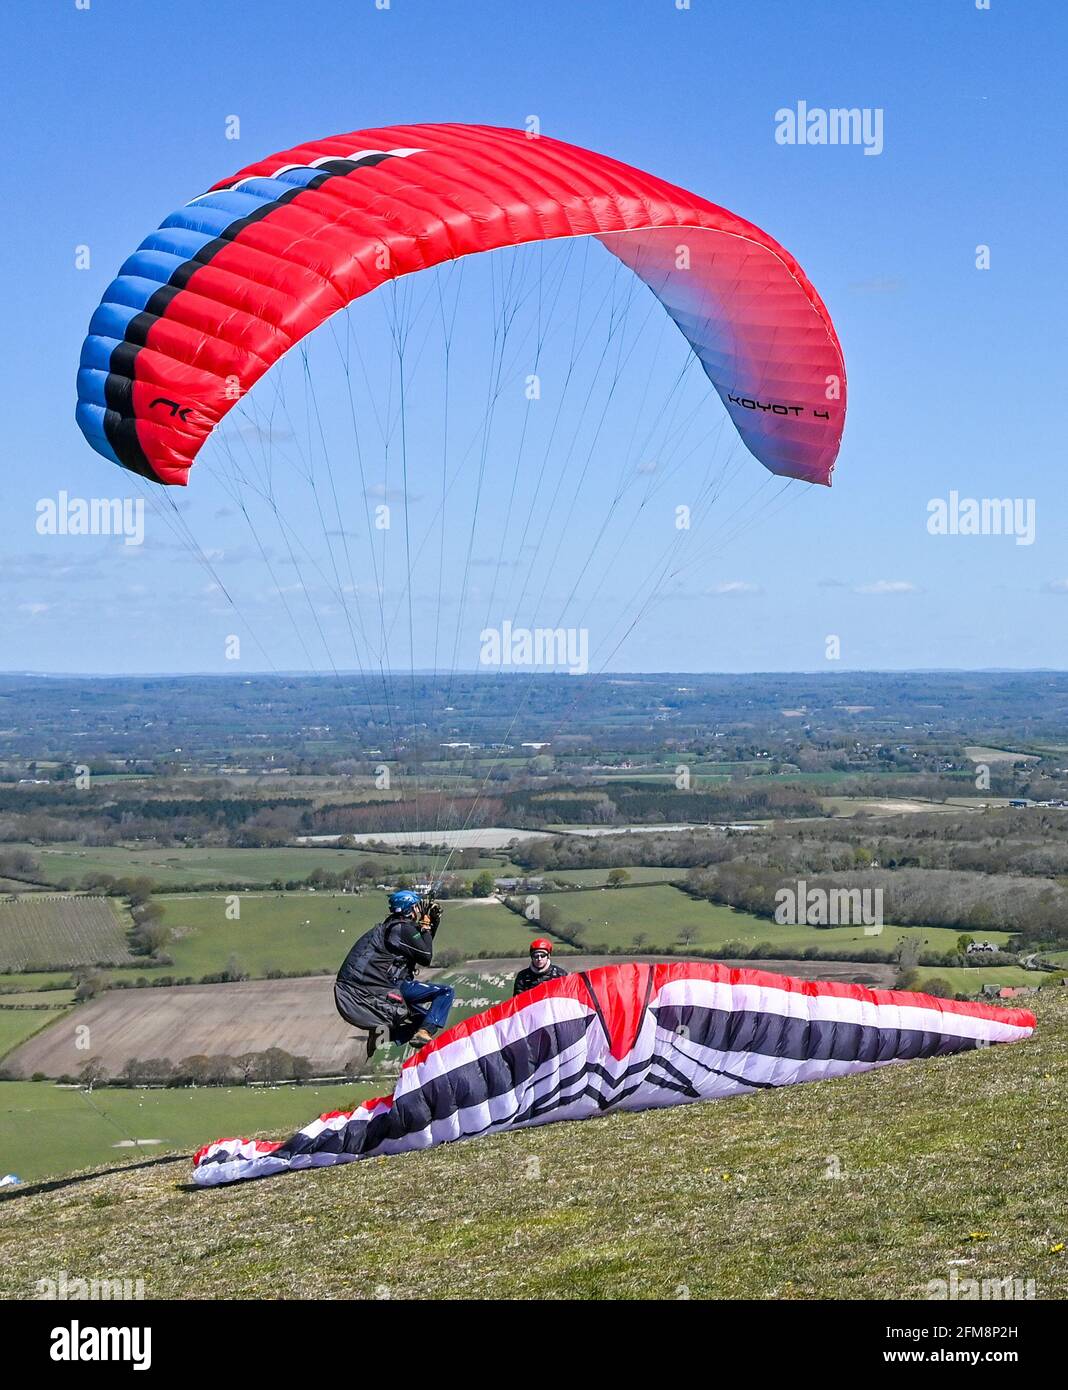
x=954 y=1163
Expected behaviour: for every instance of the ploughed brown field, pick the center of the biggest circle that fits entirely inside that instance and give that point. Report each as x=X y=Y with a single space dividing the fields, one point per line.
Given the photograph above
x=190 y=1020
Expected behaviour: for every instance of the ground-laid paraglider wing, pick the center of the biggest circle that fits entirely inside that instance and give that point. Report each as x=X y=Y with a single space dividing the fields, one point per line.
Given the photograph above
x=229 y=282
x=626 y=1037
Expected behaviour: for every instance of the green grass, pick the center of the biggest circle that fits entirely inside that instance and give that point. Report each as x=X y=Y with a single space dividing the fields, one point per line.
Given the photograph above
x=597 y=878
x=189 y=868
x=614 y=919
x=966 y=981
x=308 y=932
x=955 y=1162
x=47 y=1130
x=50 y=998
x=33 y=981
x=665 y=778
x=16 y=1025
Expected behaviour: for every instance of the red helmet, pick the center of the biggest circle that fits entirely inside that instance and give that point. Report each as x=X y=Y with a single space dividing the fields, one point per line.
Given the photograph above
x=541 y=945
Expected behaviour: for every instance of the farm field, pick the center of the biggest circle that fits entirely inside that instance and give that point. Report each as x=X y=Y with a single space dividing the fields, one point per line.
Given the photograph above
x=850 y=806
x=652 y=918
x=46 y=998
x=307 y=932
x=596 y=832
x=999 y=755
x=487 y=838
x=966 y=981
x=664 y=777
x=296 y=1015
x=58 y=930
x=17 y=1025
x=189 y=868
x=18 y=983
x=723 y=771
x=48 y=1130
x=192 y=1020
x=597 y=878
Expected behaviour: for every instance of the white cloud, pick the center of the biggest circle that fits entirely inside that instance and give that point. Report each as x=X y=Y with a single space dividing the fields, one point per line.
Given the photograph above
x=391 y=494
x=887 y=586
x=731 y=588
x=1056 y=586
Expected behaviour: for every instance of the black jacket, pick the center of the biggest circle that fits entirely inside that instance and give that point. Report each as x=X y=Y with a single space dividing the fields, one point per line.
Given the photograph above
x=528 y=979
x=366 y=989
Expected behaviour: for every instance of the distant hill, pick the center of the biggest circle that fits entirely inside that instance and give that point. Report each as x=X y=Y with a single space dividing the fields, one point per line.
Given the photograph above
x=865 y=1187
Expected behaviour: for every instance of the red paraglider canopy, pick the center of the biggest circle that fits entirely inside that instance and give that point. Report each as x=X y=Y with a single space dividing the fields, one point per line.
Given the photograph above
x=233 y=279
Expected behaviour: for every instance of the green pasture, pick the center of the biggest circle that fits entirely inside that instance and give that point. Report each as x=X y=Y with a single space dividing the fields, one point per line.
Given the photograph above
x=302 y=932
x=51 y=998
x=14 y=982
x=653 y=918
x=47 y=1130
x=964 y=981
x=598 y=878
x=16 y=1025
x=187 y=868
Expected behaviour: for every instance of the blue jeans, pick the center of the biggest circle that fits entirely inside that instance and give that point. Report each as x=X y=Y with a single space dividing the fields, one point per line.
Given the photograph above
x=430 y=1003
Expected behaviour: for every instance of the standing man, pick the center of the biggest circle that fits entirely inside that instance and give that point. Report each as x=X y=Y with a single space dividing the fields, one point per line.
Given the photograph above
x=376 y=985
x=540 y=969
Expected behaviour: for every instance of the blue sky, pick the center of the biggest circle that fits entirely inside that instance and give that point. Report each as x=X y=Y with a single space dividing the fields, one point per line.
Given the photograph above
x=116 y=115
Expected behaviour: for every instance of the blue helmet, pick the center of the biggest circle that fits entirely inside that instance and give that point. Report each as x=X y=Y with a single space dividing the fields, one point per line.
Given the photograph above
x=404 y=900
